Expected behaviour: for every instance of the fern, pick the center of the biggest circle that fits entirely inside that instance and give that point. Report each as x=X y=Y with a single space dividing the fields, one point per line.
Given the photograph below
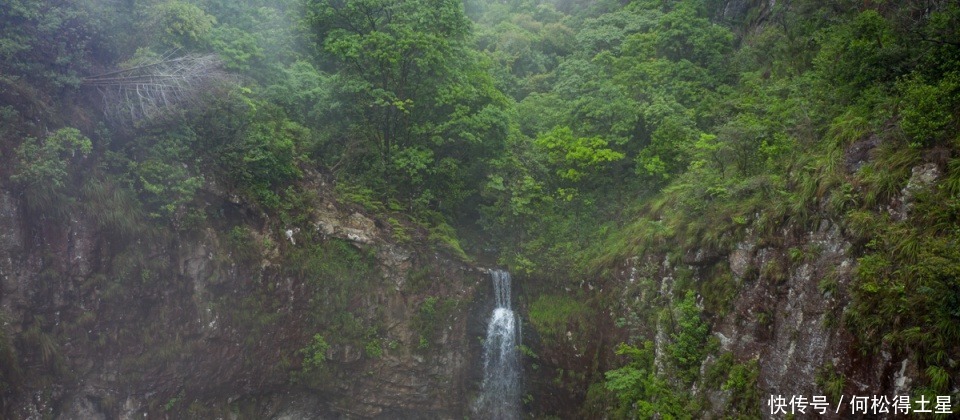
x=939 y=378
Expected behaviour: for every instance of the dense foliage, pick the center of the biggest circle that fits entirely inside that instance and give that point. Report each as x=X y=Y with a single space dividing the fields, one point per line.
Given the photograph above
x=559 y=137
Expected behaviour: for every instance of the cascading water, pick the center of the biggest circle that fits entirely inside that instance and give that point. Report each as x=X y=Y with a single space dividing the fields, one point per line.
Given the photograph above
x=500 y=390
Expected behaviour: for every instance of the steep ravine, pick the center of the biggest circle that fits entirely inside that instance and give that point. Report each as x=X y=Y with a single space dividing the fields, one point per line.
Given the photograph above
x=208 y=325
x=214 y=322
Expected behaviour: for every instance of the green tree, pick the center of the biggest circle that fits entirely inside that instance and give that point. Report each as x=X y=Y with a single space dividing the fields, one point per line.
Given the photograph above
x=688 y=346
x=929 y=110
x=421 y=112
x=44 y=168
x=391 y=57
x=46 y=42
x=575 y=157
x=178 y=24
x=44 y=163
x=859 y=54
x=640 y=391
x=166 y=173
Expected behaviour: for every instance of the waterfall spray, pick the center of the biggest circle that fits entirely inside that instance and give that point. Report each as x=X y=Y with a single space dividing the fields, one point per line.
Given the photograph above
x=500 y=390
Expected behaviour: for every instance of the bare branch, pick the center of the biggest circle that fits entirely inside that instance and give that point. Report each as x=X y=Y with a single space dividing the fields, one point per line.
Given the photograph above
x=155 y=88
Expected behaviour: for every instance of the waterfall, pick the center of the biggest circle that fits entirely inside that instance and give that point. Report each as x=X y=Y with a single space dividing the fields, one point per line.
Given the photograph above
x=500 y=391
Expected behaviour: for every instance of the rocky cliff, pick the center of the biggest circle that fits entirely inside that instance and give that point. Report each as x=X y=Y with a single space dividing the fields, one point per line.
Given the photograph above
x=776 y=306
x=103 y=320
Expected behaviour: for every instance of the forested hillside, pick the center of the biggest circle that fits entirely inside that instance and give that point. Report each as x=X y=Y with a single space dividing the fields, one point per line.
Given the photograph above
x=281 y=208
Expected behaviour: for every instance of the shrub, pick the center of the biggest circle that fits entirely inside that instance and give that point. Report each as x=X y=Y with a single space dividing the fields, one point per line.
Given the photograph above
x=641 y=392
x=742 y=384
x=689 y=341
x=314 y=354
x=928 y=109
x=43 y=163
x=41 y=168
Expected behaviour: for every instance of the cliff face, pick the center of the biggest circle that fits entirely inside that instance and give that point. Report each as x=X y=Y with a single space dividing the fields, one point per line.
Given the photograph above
x=775 y=304
x=218 y=322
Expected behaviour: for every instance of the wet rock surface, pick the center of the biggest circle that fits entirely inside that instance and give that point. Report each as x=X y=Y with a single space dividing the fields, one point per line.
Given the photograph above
x=172 y=339
x=786 y=313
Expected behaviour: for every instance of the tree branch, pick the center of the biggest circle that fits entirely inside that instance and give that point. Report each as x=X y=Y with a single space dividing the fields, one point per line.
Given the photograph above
x=155 y=88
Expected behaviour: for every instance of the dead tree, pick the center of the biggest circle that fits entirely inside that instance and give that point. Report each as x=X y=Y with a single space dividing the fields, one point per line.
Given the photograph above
x=153 y=89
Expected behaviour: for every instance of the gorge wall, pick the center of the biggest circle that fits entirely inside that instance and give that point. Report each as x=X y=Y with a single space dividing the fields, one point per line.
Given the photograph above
x=773 y=309
x=219 y=322
x=703 y=203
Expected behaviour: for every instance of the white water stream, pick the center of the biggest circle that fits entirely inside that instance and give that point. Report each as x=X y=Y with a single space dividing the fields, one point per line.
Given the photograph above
x=500 y=390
